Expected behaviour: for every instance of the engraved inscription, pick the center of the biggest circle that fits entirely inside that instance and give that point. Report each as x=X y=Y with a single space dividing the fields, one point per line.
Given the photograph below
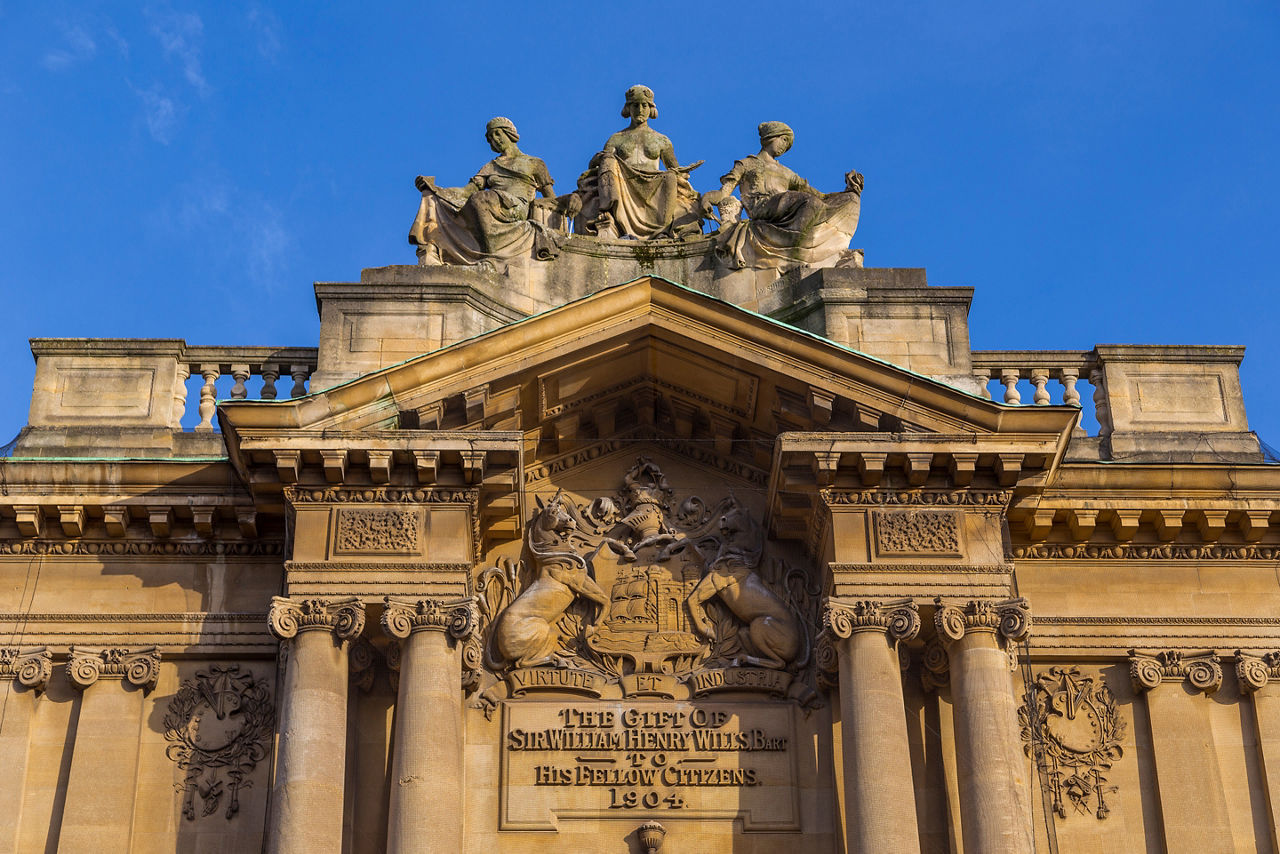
x=703 y=760
x=361 y=531
x=918 y=532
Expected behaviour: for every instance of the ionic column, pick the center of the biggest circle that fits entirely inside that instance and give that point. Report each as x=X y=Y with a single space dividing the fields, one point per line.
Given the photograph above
x=1182 y=745
x=995 y=805
x=426 y=807
x=103 y=782
x=23 y=675
x=306 y=798
x=879 y=796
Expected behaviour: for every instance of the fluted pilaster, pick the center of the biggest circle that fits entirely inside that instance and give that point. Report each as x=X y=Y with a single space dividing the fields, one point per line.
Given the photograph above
x=426 y=810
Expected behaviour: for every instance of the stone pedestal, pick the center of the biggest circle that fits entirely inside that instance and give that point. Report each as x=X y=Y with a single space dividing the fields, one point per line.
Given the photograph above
x=991 y=770
x=306 y=800
x=879 y=794
x=427 y=808
x=104 y=765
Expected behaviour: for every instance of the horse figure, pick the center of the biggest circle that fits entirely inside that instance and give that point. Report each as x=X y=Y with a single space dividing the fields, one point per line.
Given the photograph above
x=772 y=636
x=526 y=633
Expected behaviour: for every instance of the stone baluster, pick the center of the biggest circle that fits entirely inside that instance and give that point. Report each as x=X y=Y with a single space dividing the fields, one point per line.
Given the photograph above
x=239 y=373
x=270 y=373
x=1040 y=379
x=1010 y=379
x=208 y=394
x=1260 y=678
x=180 y=396
x=992 y=774
x=982 y=377
x=102 y=784
x=426 y=810
x=1101 y=407
x=300 y=373
x=1070 y=395
x=879 y=796
x=307 y=798
x=23 y=675
x=1183 y=748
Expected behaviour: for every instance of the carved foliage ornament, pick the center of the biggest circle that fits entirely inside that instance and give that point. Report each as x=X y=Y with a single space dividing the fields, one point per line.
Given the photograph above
x=900 y=619
x=140 y=667
x=31 y=667
x=1071 y=727
x=918 y=532
x=1203 y=671
x=369 y=530
x=220 y=722
x=343 y=617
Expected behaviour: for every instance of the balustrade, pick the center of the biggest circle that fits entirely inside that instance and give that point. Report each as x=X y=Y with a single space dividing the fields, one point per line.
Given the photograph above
x=241 y=364
x=1039 y=368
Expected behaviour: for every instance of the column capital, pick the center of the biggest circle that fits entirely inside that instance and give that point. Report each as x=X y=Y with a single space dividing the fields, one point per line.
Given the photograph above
x=403 y=616
x=140 y=666
x=899 y=619
x=343 y=617
x=1202 y=670
x=1254 y=672
x=1009 y=619
x=31 y=667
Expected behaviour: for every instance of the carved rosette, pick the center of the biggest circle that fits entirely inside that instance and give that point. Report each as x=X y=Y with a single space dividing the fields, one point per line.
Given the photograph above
x=900 y=620
x=1254 y=672
x=140 y=667
x=1203 y=671
x=1009 y=619
x=343 y=617
x=1072 y=728
x=31 y=667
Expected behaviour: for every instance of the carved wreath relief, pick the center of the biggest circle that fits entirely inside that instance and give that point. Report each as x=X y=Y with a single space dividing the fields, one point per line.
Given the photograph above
x=220 y=722
x=1072 y=729
x=659 y=601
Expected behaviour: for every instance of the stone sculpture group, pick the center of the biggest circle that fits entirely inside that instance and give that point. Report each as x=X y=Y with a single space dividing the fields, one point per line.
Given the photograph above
x=634 y=188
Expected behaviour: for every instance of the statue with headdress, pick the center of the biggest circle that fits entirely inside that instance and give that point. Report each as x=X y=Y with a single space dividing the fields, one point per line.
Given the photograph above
x=791 y=223
x=495 y=217
x=625 y=192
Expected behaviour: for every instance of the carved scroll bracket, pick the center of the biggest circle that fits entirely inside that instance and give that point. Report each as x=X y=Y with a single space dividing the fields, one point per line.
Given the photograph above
x=343 y=617
x=1009 y=620
x=1203 y=671
x=30 y=667
x=140 y=667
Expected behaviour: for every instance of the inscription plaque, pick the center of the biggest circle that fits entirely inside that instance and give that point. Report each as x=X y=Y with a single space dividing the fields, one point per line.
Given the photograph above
x=649 y=759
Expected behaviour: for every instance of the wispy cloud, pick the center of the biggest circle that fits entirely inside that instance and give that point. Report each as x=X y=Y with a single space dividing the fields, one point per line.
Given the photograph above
x=79 y=47
x=160 y=112
x=266 y=26
x=179 y=34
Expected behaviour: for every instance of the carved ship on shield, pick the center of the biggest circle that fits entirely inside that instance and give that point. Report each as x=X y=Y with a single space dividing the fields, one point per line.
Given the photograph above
x=648 y=622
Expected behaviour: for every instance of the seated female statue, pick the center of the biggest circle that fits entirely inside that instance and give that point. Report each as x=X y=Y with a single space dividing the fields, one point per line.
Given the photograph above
x=791 y=224
x=488 y=219
x=624 y=193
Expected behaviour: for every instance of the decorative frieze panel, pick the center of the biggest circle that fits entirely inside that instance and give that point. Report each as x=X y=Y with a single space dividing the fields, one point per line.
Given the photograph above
x=1072 y=729
x=30 y=667
x=382 y=530
x=219 y=725
x=917 y=532
x=1203 y=672
x=995 y=499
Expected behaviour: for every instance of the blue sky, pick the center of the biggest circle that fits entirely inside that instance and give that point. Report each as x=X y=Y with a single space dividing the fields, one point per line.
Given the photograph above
x=1099 y=172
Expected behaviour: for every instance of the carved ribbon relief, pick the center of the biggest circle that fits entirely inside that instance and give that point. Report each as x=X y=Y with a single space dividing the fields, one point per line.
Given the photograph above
x=660 y=601
x=1071 y=727
x=219 y=725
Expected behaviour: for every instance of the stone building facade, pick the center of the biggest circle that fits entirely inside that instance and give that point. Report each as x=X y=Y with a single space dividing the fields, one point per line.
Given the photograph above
x=634 y=548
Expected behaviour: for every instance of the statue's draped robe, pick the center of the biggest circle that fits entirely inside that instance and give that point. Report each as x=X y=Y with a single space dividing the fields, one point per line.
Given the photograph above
x=467 y=226
x=791 y=222
x=648 y=203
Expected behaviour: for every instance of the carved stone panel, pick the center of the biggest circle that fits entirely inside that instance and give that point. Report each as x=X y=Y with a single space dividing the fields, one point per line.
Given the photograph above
x=219 y=726
x=383 y=530
x=917 y=532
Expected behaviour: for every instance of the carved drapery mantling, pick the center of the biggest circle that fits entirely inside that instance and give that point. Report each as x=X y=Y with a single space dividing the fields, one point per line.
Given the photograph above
x=1009 y=620
x=139 y=667
x=1203 y=671
x=1255 y=672
x=343 y=617
x=29 y=667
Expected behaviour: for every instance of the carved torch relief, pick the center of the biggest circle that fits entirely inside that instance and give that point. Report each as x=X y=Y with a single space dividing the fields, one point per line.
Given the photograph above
x=649 y=655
